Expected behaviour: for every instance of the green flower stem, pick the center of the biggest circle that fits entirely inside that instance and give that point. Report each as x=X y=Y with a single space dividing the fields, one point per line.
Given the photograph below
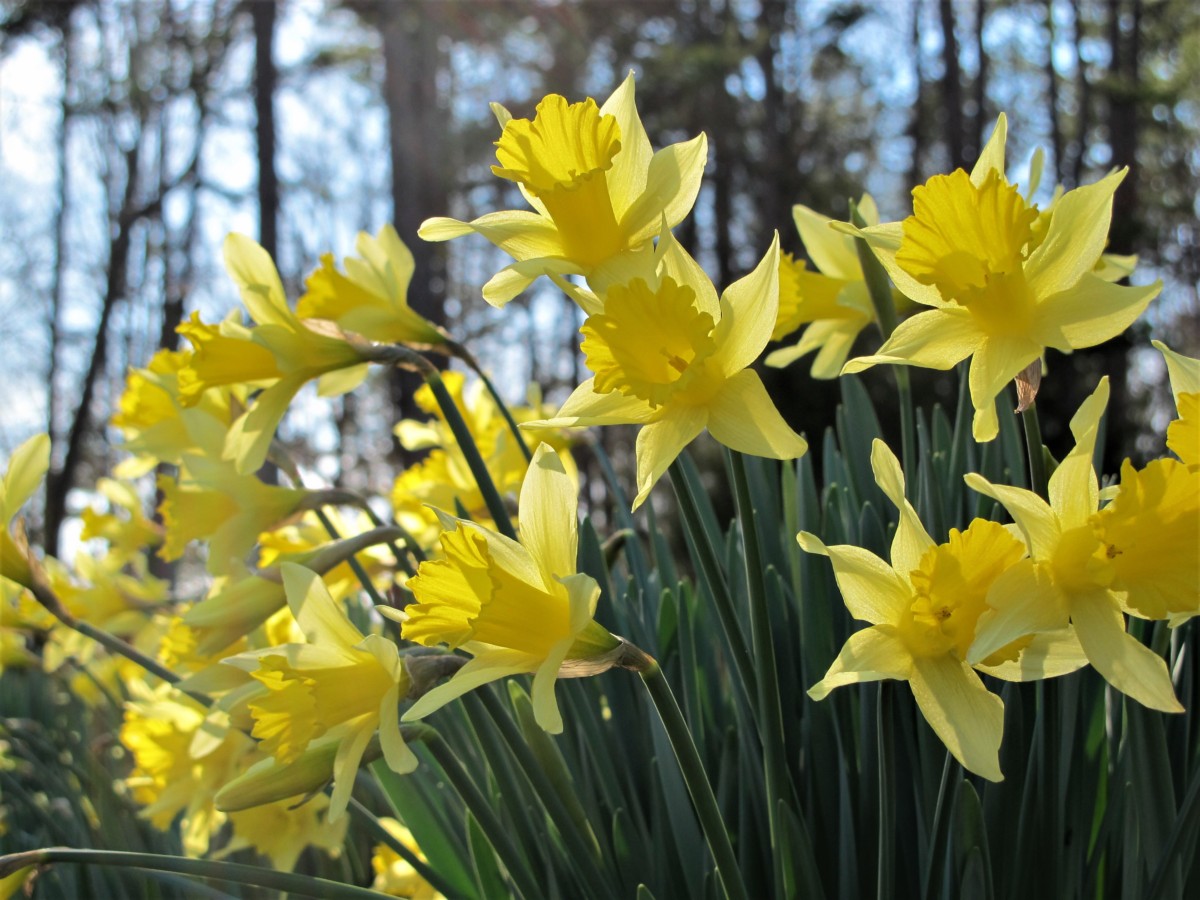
x=770 y=714
x=355 y=566
x=885 y=316
x=1037 y=457
x=371 y=822
x=938 y=830
x=302 y=885
x=481 y=808
x=465 y=355
x=395 y=355
x=596 y=881
x=885 y=885
x=694 y=776
x=710 y=568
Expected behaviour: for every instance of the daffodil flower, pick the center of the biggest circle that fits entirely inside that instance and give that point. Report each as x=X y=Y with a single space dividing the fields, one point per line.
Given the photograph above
x=280 y=355
x=832 y=301
x=666 y=354
x=1001 y=289
x=1070 y=574
x=1183 y=434
x=597 y=189
x=338 y=679
x=923 y=609
x=515 y=607
x=371 y=297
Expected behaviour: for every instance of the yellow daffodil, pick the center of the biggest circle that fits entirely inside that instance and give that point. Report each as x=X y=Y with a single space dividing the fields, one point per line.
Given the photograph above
x=924 y=609
x=394 y=875
x=340 y=678
x=280 y=354
x=833 y=301
x=666 y=354
x=1001 y=289
x=1070 y=574
x=281 y=831
x=210 y=501
x=156 y=424
x=126 y=529
x=371 y=298
x=24 y=473
x=1183 y=434
x=515 y=607
x=597 y=189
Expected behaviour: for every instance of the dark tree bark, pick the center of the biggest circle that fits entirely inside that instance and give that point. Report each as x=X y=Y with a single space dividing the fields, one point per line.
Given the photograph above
x=1056 y=139
x=1123 y=121
x=952 y=99
x=60 y=239
x=916 y=122
x=263 y=14
x=983 y=114
x=1083 y=100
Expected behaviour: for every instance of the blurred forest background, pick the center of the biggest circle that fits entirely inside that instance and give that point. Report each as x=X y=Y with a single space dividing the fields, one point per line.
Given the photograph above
x=136 y=133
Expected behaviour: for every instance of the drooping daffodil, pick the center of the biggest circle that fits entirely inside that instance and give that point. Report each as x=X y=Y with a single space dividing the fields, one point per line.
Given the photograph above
x=597 y=188
x=668 y=355
x=515 y=607
x=1070 y=575
x=1002 y=285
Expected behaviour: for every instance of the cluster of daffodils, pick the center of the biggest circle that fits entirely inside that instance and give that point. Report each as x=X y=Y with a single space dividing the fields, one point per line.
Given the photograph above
x=284 y=681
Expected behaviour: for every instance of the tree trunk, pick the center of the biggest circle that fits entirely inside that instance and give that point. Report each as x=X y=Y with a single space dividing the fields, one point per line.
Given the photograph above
x=263 y=14
x=983 y=114
x=952 y=100
x=1056 y=140
x=916 y=122
x=1083 y=100
x=60 y=240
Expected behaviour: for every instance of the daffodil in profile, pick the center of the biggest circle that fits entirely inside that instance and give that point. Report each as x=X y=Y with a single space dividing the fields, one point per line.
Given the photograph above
x=597 y=189
x=832 y=301
x=923 y=609
x=1071 y=574
x=340 y=679
x=24 y=473
x=668 y=355
x=1003 y=284
x=515 y=607
x=280 y=354
x=371 y=297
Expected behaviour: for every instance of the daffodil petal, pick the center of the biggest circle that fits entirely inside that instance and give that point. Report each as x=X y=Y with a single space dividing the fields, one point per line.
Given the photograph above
x=911 y=539
x=1124 y=661
x=585 y=407
x=521 y=234
x=1090 y=312
x=676 y=263
x=995 y=363
x=1074 y=490
x=397 y=754
x=1033 y=515
x=322 y=620
x=26 y=468
x=1048 y=655
x=660 y=442
x=992 y=155
x=1022 y=600
x=884 y=240
x=547 y=510
x=1183 y=371
x=627 y=175
x=251 y=434
x=967 y=717
x=516 y=277
x=873 y=654
x=345 y=766
x=743 y=417
x=486 y=667
x=936 y=339
x=1078 y=232
x=831 y=252
x=545 y=706
x=258 y=279
x=672 y=183
x=748 y=312
x=871 y=589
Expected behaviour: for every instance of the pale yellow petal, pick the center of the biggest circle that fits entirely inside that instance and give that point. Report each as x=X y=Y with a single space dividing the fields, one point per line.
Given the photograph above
x=255 y=273
x=545 y=706
x=322 y=619
x=547 y=511
x=1090 y=312
x=1023 y=600
x=1033 y=515
x=26 y=468
x=1183 y=371
x=251 y=434
x=1074 y=490
x=1124 y=661
x=967 y=717
x=911 y=540
x=486 y=667
x=871 y=589
x=743 y=417
x=627 y=175
x=660 y=442
x=1078 y=232
x=672 y=183
x=992 y=155
x=1047 y=655
x=345 y=767
x=675 y=262
x=884 y=241
x=832 y=252
x=749 y=308
x=873 y=654
x=997 y=362
x=585 y=407
x=522 y=235
x=936 y=339
x=516 y=277
x=397 y=754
